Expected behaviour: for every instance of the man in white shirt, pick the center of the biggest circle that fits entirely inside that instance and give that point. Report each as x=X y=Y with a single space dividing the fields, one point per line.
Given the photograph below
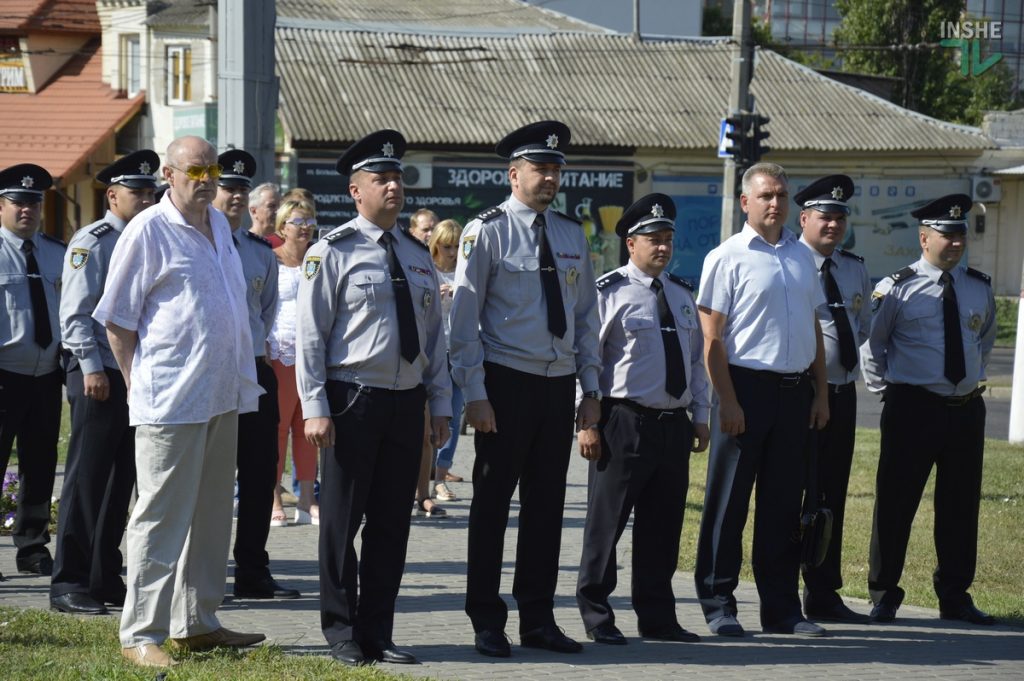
x=175 y=313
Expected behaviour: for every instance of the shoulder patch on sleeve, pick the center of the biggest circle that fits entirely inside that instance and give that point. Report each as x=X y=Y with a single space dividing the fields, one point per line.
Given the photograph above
x=851 y=254
x=610 y=279
x=53 y=239
x=902 y=275
x=978 y=274
x=258 y=238
x=876 y=300
x=339 y=233
x=100 y=230
x=490 y=214
x=568 y=217
x=682 y=282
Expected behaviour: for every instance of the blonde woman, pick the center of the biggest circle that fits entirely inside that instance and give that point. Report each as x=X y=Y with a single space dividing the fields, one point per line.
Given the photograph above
x=295 y=225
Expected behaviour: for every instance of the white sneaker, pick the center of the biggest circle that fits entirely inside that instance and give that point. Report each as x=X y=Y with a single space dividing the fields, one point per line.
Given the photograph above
x=442 y=492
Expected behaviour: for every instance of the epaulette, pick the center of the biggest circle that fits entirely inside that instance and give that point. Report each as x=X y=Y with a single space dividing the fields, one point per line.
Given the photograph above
x=978 y=274
x=257 y=237
x=679 y=280
x=902 y=275
x=53 y=239
x=100 y=230
x=339 y=233
x=609 y=279
x=851 y=254
x=569 y=218
x=490 y=214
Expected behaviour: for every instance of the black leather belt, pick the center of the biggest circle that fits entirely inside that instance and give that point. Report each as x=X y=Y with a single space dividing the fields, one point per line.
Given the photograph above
x=649 y=412
x=948 y=400
x=781 y=380
x=839 y=388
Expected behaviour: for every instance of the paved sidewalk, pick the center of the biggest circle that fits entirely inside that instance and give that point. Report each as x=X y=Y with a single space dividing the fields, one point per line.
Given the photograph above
x=432 y=624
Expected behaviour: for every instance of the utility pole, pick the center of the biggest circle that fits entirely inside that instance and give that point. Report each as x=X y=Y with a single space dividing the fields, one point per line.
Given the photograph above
x=739 y=102
x=246 y=84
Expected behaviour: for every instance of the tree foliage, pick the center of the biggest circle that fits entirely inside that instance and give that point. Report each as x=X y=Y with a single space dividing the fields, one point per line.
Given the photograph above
x=900 y=38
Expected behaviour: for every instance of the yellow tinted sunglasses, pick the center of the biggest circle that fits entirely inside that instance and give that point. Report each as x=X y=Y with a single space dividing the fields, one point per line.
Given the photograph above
x=197 y=173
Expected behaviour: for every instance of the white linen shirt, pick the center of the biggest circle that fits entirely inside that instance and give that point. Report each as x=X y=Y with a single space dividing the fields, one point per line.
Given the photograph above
x=770 y=295
x=282 y=336
x=186 y=301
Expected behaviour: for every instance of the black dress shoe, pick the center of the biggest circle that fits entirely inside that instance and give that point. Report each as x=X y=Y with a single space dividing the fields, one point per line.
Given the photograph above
x=43 y=566
x=671 y=633
x=492 y=642
x=77 y=603
x=265 y=587
x=837 y=613
x=967 y=613
x=550 y=637
x=115 y=598
x=348 y=652
x=883 y=613
x=387 y=652
x=608 y=634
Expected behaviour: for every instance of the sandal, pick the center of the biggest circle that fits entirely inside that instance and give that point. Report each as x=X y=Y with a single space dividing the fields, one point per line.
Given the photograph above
x=278 y=518
x=443 y=492
x=434 y=511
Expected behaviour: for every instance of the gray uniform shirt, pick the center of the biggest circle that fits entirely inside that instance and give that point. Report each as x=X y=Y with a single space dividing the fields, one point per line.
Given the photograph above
x=85 y=274
x=347 y=321
x=631 y=346
x=855 y=287
x=259 y=266
x=499 y=313
x=906 y=343
x=18 y=350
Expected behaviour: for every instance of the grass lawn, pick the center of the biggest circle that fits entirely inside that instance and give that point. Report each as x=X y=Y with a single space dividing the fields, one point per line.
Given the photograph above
x=35 y=644
x=1006 y=320
x=1001 y=533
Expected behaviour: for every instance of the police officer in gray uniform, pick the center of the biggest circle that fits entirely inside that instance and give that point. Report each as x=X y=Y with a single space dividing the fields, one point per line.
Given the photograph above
x=257 y=431
x=370 y=355
x=652 y=352
x=30 y=377
x=100 y=471
x=932 y=329
x=847 y=287
x=524 y=325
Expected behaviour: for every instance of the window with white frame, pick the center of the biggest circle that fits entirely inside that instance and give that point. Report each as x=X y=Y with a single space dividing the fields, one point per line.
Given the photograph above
x=131 y=65
x=179 y=74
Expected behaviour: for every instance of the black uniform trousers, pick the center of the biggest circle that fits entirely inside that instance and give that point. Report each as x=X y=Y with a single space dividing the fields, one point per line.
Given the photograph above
x=30 y=412
x=257 y=473
x=644 y=468
x=952 y=439
x=371 y=473
x=835 y=456
x=771 y=451
x=98 y=480
x=535 y=421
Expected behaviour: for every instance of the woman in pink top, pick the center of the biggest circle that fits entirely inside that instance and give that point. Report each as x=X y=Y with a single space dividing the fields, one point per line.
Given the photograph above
x=295 y=225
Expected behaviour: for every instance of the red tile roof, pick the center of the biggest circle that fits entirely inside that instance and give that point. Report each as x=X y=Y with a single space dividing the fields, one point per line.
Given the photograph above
x=60 y=126
x=77 y=16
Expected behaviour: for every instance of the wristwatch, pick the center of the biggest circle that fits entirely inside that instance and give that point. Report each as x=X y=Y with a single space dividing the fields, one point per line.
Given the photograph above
x=593 y=394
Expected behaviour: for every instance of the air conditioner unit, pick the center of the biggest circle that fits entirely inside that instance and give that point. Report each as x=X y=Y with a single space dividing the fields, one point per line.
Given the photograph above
x=418 y=175
x=986 y=190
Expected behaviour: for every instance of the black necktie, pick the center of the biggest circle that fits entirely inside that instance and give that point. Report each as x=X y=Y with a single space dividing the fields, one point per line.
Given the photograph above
x=847 y=348
x=956 y=368
x=407 y=334
x=40 y=313
x=675 y=371
x=549 y=280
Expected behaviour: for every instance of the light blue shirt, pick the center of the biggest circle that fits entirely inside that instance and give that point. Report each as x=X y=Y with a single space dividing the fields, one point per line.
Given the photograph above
x=855 y=287
x=259 y=266
x=19 y=352
x=631 y=345
x=907 y=339
x=770 y=295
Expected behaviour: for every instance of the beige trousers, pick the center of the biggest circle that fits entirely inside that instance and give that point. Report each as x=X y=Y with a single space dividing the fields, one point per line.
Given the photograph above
x=180 y=530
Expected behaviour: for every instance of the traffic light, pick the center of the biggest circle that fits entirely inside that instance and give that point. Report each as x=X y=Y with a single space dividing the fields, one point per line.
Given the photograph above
x=736 y=132
x=757 y=137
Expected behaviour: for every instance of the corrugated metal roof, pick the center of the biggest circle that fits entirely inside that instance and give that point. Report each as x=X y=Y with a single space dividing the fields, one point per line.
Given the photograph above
x=64 y=16
x=613 y=92
x=426 y=15
x=181 y=12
